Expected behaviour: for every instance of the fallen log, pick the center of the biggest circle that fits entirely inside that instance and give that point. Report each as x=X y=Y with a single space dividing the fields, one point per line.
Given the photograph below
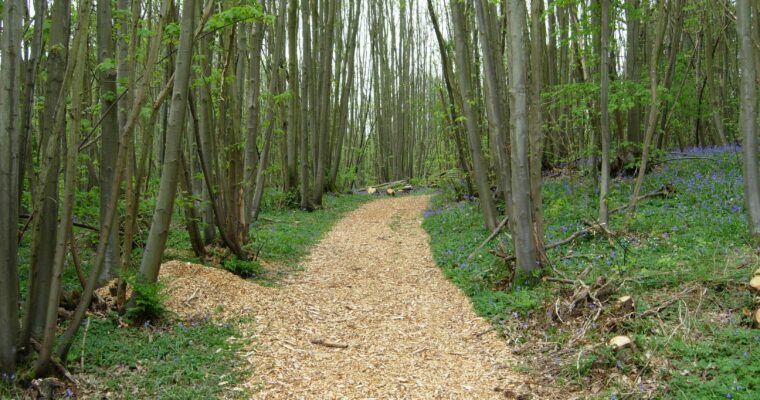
x=385 y=185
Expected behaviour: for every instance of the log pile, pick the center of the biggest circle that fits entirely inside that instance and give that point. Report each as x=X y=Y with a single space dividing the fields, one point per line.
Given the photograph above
x=389 y=188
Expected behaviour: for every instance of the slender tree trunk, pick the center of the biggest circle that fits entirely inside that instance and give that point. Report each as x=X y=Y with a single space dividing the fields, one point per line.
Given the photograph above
x=45 y=208
x=10 y=73
x=662 y=20
x=496 y=85
x=525 y=245
x=70 y=183
x=604 y=180
x=473 y=131
x=294 y=111
x=278 y=49
x=631 y=65
x=109 y=127
x=535 y=125
x=306 y=105
x=714 y=92
x=325 y=57
x=159 y=228
x=121 y=162
x=748 y=115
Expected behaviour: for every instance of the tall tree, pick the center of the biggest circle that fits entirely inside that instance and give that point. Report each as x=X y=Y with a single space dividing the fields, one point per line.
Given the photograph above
x=10 y=72
x=109 y=123
x=522 y=215
x=159 y=228
x=662 y=19
x=748 y=114
x=465 y=73
x=604 y=180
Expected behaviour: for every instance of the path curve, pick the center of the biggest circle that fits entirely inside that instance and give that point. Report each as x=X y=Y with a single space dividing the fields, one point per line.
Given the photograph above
x=372 y=284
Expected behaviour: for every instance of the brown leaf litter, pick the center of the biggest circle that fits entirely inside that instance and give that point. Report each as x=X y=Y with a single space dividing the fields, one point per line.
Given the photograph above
x=370 y=317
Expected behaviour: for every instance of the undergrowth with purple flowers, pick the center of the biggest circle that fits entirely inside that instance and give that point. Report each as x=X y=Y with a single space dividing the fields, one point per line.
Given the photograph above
x=701 y=346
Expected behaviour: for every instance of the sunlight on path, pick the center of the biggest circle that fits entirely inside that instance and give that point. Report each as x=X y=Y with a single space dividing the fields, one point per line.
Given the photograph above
x=373 y=317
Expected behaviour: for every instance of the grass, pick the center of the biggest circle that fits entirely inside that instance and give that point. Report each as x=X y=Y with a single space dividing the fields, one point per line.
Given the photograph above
x=179 y=361
x=186 y=359
x=701 y=346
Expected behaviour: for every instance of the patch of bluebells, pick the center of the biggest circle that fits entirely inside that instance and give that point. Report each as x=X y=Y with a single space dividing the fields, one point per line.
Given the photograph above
x=701 y=151
x=7 y=377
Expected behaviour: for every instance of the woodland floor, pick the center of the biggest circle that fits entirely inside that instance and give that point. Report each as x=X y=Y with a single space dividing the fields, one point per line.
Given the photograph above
x=371 y=316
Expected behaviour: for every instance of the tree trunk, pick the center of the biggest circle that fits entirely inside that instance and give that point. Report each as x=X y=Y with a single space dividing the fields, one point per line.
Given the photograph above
x=109 y=127
x=70 y=184
x=10 y=73
x=525 y=245
x=278 y=48
x=604 y=180
x=662 y=20
x=748 y=116
x=159 y=228
x=46 y=203
x=473 y=131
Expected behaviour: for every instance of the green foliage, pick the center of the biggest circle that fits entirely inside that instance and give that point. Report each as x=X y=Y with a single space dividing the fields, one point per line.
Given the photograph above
x=722 y=365
x=243 y=268
x=455 y=231
x=186 y=360
x=236 y=14
x=149 y=299
x=696 y=236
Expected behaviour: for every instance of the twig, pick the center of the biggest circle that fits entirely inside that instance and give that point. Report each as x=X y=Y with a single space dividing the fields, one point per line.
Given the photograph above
x=75 y=254
x=84 y=339
x=491 y=236
x=325 y=343
x=665 y=191
x=76 y=224
x=667 y=303
x=192 y=296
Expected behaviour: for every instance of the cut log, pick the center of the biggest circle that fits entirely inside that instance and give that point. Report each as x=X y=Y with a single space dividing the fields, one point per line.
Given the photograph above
x=371 y=190
x=755 y=283
x=390 y=192
x=625 y=304
x=757 y=318
x=619 y=342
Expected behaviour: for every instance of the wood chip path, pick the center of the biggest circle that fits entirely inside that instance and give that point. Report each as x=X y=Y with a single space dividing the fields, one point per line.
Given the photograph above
x=370 y=317
x=371 y=284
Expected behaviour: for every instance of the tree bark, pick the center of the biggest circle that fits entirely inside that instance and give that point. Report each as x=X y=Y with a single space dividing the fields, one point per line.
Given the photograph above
x=473 y=131
x=748 y=115
x=159 y=228
x=662 y=20
x=10 y=73
x=109 y=136
x=525 y=244
x=70 y=183
x=604 y=180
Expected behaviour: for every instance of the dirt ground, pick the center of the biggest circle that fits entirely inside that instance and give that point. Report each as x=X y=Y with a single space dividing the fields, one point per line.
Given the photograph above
x=371 y=316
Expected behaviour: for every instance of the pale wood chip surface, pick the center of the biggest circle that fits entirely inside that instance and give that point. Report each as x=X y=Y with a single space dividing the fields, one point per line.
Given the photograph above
x=371 y=317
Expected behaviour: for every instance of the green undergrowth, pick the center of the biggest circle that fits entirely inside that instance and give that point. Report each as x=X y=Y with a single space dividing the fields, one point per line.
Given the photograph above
x=170 y=359
x=280 y=238
x=190 y=359
x=689 y=251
